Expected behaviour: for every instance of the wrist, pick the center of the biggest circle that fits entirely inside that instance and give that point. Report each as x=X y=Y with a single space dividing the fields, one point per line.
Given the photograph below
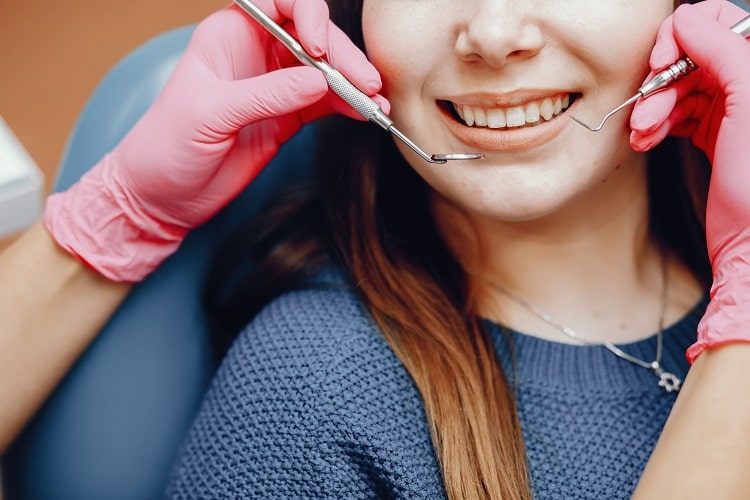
x=727 y=316
x=103 y=228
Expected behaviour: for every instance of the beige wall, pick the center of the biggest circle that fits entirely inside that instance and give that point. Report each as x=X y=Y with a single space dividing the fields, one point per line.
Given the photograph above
x=53 y=53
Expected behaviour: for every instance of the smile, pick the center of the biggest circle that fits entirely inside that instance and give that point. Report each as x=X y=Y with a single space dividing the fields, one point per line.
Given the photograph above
x=528 y=114
x=513 y=122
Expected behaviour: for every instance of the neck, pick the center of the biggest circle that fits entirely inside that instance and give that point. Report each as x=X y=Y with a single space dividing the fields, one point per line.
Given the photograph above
x=592 y=266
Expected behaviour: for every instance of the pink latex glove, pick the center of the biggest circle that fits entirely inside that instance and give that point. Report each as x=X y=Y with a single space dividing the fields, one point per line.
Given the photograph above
x=234 y=98
x=712 y=108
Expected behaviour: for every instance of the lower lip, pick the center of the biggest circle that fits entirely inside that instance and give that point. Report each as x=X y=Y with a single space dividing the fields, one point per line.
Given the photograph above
x=507 y=139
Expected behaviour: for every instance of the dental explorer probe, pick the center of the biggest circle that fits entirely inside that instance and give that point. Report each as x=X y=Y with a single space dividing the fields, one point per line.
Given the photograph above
x=675 y=72
x=344 y=88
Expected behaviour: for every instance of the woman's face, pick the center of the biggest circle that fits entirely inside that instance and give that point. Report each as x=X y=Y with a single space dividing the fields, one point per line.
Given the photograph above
x=500 y=77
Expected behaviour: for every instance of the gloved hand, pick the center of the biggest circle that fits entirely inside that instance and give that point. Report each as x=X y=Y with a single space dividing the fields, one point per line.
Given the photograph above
x=712 y=107
x=236 y=95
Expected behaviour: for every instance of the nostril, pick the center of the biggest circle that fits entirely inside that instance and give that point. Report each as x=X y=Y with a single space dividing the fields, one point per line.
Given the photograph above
x=497 y=38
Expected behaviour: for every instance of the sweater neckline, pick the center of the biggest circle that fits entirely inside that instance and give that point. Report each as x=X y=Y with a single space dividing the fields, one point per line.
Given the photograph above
x=533 y=361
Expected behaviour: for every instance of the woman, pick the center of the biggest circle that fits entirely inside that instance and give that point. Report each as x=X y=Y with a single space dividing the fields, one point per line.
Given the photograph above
x=465 y=434
x=392 y=374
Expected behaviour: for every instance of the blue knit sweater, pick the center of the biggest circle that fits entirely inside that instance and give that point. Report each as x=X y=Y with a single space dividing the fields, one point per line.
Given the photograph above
x=311 y=402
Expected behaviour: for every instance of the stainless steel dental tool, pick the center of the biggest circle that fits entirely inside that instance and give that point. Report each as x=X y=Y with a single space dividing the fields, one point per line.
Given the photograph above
x=675 y=72
x=344 y=88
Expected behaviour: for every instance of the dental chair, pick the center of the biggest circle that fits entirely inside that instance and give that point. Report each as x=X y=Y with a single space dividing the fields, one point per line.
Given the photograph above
x=113 y=426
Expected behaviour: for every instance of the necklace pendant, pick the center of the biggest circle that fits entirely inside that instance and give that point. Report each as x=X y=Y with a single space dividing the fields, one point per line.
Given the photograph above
x=669 y=381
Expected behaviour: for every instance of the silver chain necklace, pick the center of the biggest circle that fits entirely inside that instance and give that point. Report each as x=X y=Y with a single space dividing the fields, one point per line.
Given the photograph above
x=669 y=381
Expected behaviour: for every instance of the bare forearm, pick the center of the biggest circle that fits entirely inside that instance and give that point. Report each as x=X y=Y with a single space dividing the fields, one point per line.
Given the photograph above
x=704 y=450
x=51 y=308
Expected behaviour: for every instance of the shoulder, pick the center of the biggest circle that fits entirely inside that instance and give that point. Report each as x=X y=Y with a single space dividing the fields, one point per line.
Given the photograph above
x=321 y=326
x=311 y=400
x=325 y=340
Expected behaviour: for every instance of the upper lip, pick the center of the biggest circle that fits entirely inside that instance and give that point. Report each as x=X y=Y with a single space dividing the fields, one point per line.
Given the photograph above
x=503 y=100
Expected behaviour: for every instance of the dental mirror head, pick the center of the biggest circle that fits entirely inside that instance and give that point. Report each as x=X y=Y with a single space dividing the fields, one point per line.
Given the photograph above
x=456 y=156
x=439 y=158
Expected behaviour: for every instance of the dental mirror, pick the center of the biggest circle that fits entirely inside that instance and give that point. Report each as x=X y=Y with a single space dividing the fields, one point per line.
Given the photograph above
x=457 y=156
x=439 y=158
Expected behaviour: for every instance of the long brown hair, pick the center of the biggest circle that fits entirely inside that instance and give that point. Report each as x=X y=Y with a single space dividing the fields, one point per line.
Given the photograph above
x=369 y=214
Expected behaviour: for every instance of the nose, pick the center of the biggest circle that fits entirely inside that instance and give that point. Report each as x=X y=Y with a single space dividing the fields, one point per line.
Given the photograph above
x=498 y=32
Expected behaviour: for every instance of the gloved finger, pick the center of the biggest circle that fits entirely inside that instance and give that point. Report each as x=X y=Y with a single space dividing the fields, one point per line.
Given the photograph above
x=346 y=57
x=343 y=55
x=651 y=111
x=717 y=50
x=686 y=118
x=280 y=92
x=340 y=106
x=229 y=45
x=352 y=62
x=692 y=108
x=340 y=51
x=686 y=128
x=310 y=17
x=242 y=164
x=312 y=22
x=334 y=104
x=668 y=48
x=725 y=11
x=299 y=89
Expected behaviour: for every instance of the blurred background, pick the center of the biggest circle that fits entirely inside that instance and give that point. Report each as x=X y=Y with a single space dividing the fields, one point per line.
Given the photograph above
x=52 y=55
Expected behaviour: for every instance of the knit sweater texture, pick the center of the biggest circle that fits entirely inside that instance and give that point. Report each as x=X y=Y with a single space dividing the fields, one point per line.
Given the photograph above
x=311 y=402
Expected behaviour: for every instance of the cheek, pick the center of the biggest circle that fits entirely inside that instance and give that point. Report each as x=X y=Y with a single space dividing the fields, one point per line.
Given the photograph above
x=392 y=70
x=621 y=44
x=398 y=47
x=383 y=38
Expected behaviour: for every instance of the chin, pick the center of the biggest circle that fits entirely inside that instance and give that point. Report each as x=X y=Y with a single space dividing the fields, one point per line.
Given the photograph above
x=507 y=207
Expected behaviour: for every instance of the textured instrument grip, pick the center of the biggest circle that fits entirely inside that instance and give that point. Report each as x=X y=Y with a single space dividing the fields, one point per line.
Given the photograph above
x=351 y=94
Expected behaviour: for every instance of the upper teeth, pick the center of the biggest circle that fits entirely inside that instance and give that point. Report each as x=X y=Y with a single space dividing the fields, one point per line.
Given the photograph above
x=517 y=116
